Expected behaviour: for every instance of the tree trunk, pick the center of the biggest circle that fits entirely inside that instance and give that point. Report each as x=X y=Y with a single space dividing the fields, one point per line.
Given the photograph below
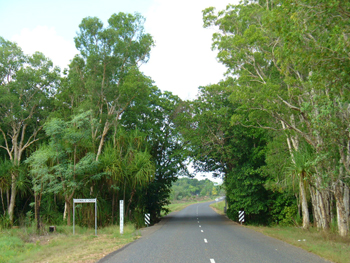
x=323 y=201
x=343 y=217
x=65 y=211
x=130 y=200
x=11 y=207
x=113 y=207
x=2 y=201
x=37 y=212
x=304 y=206
x=67 y=205
x=347 y=200
x=299 y=205
x=104 y=133
x=8 y=197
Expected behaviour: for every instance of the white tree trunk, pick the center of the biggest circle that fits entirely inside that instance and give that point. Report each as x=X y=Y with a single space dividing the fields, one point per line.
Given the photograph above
x=11 y=206
x=65 y=211
x=304 y=206
x=342 y=216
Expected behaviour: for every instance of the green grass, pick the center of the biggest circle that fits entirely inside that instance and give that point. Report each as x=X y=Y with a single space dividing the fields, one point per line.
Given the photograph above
x=328 y=245
x=219 y=207
x=325 y=244
x=22 y=245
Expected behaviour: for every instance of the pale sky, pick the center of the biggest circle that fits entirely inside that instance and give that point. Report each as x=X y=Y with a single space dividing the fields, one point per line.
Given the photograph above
x=181 y=61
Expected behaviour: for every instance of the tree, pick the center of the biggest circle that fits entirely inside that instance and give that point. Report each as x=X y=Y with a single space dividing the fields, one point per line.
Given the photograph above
x=105 y=75
x=155 y=115
x=129 y=163
x=234 y=152
x=290 y=76
x=67 y=163
x=26 y=84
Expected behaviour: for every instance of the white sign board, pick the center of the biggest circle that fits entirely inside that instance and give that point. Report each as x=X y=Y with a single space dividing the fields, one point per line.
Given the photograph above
x=84 y=200
x=121 y=213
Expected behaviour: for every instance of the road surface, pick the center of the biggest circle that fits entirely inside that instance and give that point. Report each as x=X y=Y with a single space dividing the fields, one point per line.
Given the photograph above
x=198 y=234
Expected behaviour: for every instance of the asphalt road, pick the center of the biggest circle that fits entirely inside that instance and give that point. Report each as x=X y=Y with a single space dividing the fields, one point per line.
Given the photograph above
x=198 y=234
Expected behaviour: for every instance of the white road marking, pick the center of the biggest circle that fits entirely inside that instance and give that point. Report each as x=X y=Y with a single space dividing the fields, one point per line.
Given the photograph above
x=199 y=225
x=198 y=222
x=202 y=231
x=212 y=260
x=205 y=240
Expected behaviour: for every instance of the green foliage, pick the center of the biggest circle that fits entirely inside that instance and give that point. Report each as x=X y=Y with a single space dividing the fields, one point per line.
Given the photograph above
x=5 y=222
x=110 y=134
x=282 y=209
x=154 y=115
x=287 y=74
x=186 y=188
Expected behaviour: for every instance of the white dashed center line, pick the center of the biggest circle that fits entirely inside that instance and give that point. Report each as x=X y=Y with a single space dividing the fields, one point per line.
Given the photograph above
x=199 y=225
x=212 y=260
x=205 y=240
x=202 y=231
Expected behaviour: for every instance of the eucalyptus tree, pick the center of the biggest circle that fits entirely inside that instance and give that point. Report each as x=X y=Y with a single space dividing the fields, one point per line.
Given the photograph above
x=290 y=77
x=105 y=75
x=26 y=86
x=317 y=60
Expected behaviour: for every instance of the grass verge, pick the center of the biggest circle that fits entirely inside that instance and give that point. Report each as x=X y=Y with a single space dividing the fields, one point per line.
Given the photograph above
x=218 y=207
x=325 y=244
x=21 y=245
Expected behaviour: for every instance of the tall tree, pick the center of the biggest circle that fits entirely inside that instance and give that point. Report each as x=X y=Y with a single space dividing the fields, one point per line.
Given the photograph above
x=106 y=74
x=26 y=84
x=155 y=116
x=282 y=61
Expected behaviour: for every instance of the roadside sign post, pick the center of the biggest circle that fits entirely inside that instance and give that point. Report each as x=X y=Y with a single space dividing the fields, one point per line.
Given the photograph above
x=147 y=219
x=241 y=216
x=85 y=201
x=121 y=215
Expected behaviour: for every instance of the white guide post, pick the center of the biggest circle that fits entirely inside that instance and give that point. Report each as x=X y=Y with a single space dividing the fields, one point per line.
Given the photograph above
x=121 y=214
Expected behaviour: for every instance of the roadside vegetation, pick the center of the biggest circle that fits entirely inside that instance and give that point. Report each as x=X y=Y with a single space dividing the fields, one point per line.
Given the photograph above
x=192 y=188
x=326 y=244
x=24 y=245
x=276 y=128
x=98 y=129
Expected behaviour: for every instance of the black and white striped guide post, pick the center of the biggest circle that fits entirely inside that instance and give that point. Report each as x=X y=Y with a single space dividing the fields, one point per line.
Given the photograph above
x=147 y=219
x=241 y=216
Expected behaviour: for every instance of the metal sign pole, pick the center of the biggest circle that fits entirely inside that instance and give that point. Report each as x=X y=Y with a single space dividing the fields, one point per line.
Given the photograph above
x=95 y=218
x=73 y=217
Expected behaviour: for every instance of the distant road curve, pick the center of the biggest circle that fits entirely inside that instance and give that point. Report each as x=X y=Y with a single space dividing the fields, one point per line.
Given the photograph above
x=198 y=234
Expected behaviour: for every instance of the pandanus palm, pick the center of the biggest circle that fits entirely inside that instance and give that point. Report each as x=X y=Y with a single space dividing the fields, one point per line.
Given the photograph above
x=301 y=165
x=128 y=162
